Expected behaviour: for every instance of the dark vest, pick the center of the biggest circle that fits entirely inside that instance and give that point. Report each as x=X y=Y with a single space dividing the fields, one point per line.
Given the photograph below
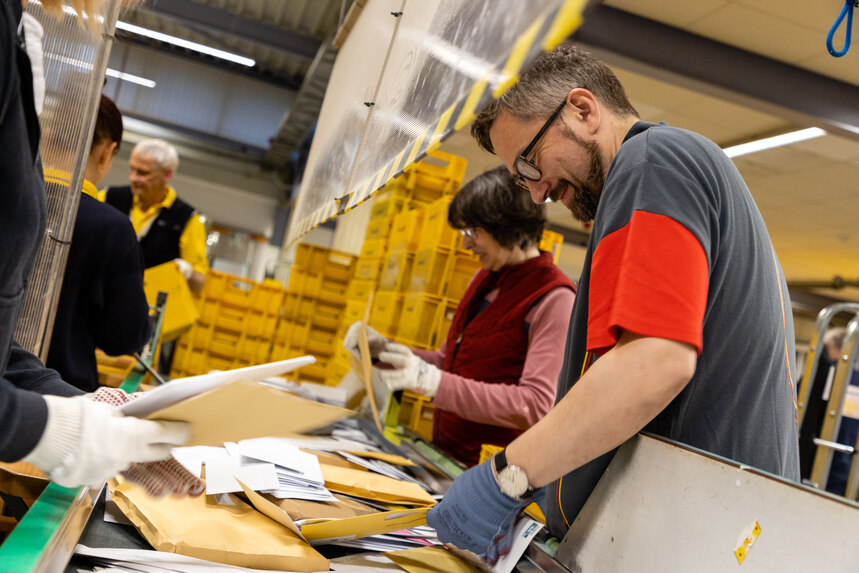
x=493 y=344
x=161 y=243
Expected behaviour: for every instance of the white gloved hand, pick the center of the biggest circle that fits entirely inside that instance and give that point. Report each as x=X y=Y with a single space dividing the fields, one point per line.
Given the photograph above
x=375 y=341
x=409 y=372
x=185 y=267
x=86 y=442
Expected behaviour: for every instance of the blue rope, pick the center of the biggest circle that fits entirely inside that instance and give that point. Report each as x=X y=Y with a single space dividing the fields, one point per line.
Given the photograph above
x=847 y=10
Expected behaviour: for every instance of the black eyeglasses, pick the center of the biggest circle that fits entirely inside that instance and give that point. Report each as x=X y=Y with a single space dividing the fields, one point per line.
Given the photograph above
x=526 y=169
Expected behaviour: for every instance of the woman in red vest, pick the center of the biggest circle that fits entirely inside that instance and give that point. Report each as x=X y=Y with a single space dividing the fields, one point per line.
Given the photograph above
x=497 y=372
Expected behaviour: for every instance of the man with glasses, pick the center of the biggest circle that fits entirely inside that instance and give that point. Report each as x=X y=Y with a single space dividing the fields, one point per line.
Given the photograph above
x=679 y=275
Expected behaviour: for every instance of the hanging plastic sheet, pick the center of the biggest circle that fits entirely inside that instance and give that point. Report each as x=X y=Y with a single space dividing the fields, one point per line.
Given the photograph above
x=410 y=73
x=75 y=59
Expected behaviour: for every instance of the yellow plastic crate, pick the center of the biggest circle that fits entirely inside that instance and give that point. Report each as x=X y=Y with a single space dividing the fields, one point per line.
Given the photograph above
x=416 y=412
x=385 y=315
x=445 y=319
x=297 y=333
x=242 y=292
x=327 y=315
x=260 y=324
x=338 y=266
x=461 y=270
x=335 y=373
x=255 y=350
x=312 y=373
x=374 y=248
x=397 y=271
x=296 y=279
x=285 y=351
x=369 y=269
x=225 y=343
x=419 y=318
x=298 y=307
x=378 y=229
x=430 y=269
x=552 y=243
x=406 y=230
x=386 y=206
x=332 y=291
x=354 y=311
x=199 y=335
x=312 y=284
x=442 y=165
x=230 y=318
x=180 y=311
x=311 y=256
x=267 y=298
x=360 y=289
x=436 y=230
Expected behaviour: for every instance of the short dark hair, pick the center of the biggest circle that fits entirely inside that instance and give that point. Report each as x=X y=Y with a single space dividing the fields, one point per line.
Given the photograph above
x=545 y=84
x=493 y=202
x=108 y=124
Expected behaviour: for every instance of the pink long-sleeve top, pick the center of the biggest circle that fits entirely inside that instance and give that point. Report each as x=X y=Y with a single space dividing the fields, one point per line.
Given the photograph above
x=518 y=405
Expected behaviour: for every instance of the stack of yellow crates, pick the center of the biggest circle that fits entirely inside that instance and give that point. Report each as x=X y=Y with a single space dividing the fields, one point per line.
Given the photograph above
x=393 y=239
x=237 y=322
x=313 y=309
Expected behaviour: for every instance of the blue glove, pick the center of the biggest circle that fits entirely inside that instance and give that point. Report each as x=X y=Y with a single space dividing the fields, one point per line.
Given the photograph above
x=475 y=515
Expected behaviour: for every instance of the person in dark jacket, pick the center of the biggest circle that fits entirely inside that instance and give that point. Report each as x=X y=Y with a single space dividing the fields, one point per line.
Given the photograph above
x=102 y=303
x=75 y=439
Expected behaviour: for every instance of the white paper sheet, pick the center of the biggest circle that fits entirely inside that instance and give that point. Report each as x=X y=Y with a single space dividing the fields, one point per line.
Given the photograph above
x=282 y=453
x=181 y=388
x=221 y=475
x=160 y=561
x=523 y=532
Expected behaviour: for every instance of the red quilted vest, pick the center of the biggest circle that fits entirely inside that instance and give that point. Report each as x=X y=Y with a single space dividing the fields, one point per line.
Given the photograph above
x=492 y=346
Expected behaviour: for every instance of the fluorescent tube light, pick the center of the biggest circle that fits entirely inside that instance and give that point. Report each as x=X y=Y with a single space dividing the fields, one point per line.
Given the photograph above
x=770 y=142
x=185 y=44
x=130 y=78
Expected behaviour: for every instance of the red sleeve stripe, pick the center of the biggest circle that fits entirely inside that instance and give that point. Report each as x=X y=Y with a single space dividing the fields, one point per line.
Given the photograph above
x=649 y=277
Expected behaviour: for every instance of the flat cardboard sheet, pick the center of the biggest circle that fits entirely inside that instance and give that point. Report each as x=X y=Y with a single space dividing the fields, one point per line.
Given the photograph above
x=370 y=485
x=242 y=410
x=232 y=534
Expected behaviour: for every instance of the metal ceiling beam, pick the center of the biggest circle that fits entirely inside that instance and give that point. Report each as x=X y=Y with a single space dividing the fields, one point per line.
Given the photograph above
x=692 y=61
x=194 y=14
x=304 y=111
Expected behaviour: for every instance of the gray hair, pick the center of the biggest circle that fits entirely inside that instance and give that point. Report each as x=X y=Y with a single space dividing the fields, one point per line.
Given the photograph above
x=159 y=151
x=546 y=83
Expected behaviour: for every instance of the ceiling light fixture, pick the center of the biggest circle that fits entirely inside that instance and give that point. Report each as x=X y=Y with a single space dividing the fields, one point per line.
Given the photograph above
x=214 y=52
x=147 y=83
x=108 y=72
x=771 y=142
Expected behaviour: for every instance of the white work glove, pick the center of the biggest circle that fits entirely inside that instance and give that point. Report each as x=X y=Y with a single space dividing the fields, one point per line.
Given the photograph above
x=408 y=372
x=375 y=341
x=87 y=441
x=185 y=268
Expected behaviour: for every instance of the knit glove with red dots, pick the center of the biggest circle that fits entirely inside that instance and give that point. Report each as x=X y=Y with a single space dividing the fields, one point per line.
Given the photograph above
x=88 y=440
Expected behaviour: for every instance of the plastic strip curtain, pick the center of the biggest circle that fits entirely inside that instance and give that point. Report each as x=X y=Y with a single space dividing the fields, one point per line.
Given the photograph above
x=410 y=73
x=75 y=59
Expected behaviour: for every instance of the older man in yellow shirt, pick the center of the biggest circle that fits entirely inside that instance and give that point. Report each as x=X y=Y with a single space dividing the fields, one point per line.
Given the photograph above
x=168 y=228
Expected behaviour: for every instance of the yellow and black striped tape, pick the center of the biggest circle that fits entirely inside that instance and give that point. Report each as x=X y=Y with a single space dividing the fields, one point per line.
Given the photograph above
x=547 y=31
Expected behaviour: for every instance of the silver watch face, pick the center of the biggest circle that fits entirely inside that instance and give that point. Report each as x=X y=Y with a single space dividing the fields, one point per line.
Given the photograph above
x=513 y=481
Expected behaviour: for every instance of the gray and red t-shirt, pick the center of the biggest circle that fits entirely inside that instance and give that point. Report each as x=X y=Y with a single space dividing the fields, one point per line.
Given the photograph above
x=680 y=251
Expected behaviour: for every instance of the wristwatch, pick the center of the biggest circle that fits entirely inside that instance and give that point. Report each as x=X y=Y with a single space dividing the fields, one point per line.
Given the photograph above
x=512 y=480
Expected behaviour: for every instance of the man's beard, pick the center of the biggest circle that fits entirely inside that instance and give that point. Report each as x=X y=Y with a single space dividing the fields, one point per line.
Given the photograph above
x=587 y=193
